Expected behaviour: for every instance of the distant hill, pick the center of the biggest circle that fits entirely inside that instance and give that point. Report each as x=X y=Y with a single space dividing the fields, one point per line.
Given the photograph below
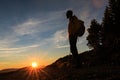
x=8 y=70
x=93 y=67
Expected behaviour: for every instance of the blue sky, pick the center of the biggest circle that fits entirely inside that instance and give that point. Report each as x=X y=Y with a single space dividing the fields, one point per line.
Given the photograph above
x=37 y=29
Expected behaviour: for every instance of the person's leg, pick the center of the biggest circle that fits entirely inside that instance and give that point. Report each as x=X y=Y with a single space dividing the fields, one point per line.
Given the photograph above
x=73 y=49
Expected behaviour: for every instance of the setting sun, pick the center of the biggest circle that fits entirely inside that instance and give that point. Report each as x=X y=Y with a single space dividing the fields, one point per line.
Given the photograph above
x=34 y=64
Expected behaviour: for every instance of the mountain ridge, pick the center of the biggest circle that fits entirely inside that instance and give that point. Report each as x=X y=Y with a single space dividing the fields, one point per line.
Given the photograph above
x=93 y=67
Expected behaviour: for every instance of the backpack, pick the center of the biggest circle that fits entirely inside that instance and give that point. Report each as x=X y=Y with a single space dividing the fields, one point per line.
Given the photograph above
x=81 y=29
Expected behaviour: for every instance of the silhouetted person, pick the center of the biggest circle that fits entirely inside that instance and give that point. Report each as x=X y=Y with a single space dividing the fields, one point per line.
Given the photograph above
x=72 y=31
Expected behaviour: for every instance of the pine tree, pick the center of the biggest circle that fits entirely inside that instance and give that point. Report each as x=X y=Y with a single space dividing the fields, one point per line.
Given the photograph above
x=111 y=24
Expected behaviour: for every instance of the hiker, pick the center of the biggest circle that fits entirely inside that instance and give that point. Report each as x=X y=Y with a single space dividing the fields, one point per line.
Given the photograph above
x=72 y=31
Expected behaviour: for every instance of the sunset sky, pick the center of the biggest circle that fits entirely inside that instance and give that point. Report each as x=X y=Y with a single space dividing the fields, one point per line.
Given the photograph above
x=36 y=30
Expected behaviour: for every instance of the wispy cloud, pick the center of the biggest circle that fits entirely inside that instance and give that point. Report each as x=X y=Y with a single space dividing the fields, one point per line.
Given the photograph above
x=85 y=14
x=20 y=48
x=7 y=41
x=60 y=39
x=13 y=51
x=28 y=27
x=98 y=3
x=33 y=25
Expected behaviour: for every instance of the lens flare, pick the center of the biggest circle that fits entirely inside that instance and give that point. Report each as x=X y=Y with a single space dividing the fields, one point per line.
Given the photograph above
x=35 y=72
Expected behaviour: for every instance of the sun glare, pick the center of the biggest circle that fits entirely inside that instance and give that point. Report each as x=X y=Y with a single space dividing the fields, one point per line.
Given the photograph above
x=34 y=64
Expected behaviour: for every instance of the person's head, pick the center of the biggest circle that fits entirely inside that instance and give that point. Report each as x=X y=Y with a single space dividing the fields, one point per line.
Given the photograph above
x=69 y=13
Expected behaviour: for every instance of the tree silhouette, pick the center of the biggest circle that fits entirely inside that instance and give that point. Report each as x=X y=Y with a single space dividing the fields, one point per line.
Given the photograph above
x=104 y=38
x=94 y=38
x=111 y=24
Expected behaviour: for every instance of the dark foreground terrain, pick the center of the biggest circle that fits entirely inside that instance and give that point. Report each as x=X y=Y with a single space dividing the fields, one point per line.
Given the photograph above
x=93 y=68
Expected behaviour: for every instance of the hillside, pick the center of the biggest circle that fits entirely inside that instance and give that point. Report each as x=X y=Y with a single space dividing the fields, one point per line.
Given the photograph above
x=93 y=67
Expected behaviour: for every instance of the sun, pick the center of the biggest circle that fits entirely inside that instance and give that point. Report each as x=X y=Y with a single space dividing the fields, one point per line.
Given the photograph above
x=34 y=64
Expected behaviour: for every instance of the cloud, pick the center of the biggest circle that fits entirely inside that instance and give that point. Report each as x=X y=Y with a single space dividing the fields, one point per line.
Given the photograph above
x=35 y=25
x=98 y=3
x=20 y=48
x=28 y=27
x=85 y=14
x=60 y=39
x=7 y=41
x=9 y=51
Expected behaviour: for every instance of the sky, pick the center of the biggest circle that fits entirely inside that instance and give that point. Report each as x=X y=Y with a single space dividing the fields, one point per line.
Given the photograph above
x=36 y=30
